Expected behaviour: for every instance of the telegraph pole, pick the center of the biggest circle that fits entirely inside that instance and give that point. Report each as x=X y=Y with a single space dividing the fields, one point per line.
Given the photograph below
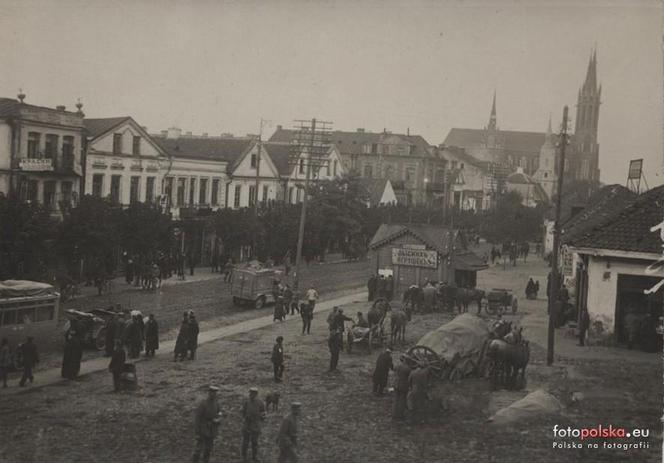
x=257 y=185
x=555 y=274
x=312 y=140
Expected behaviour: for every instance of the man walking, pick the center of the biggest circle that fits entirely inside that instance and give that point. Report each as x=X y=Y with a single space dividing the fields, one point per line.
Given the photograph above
x=116 y=367
x=584 y=323
x=307 y=315
x=151 y=336
x=287 y=439
x=30 y=359
x=401 y=377
x=208 y=417
x=382 y=371
x=335 y=343
x=253 y=413
x=312 y=297
x=278 y=359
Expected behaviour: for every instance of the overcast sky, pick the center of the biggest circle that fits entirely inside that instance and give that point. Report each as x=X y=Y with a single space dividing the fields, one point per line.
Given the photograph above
x=213 y=66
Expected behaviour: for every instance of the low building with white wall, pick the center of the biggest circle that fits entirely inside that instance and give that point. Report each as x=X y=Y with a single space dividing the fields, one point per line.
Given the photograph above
x=617 y=270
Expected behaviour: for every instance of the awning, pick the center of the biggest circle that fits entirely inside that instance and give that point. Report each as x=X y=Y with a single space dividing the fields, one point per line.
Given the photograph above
x=469 y=261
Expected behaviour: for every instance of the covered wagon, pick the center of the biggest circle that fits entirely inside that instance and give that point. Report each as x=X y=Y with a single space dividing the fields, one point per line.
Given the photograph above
x=454 y=350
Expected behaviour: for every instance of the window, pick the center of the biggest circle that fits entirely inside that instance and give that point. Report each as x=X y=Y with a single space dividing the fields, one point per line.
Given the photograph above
x=44 y=313
x=266 y=190
x=368 y=171
x=97 y=185
x=411 y=174
x=49 y=194
x=202 y=191
x=252 y=195
x=117 y=143
x=374 y=148
x=299 y=195
x=180 y=193
x=136 y=145
x=366 y=149
x=9 y=317
x=66 y=188
x=149 y=190
x=215 y=192
x=253 y=161
x=33 y=144
x=168 y=190
x=290 y=195
x=334 y=170
x=301 y=166
x=546 y=175
x=192 y=191
x=51 y=146
x=25 y=316
x=238 y=193
x=115 y=188
x=461 y=166
x=68 y=151
x=328 y=168
x=32 y=187
x=134 y=190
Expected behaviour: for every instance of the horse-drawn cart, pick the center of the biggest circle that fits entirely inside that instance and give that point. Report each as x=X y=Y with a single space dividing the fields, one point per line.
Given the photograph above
x=453 y=351
x=370 y=337
x=500 y=301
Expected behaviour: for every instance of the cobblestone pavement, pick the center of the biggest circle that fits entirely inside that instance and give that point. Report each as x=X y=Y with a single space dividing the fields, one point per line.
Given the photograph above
x=342 y=421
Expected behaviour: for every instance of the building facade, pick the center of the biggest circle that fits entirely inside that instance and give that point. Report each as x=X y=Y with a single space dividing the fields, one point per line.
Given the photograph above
x=123 y=162
x=415 y=168
x=41 y=151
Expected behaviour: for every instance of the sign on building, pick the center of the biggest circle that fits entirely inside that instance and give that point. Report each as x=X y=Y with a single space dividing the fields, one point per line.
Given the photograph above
x=568 y=262
x=415 y=257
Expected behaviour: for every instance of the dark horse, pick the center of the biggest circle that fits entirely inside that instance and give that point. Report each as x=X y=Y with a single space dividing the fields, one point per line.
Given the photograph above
x=376 y=317
x=510 y=358
x=398 y=321
x=465 y=296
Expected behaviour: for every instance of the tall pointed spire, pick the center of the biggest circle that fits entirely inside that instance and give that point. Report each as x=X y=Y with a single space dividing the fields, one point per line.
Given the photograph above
x=548 y=138
x=492 y=118
x=590 y=85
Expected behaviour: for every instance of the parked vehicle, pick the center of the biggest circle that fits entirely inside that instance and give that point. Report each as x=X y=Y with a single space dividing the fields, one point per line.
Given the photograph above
x=27 y=308
x=92 y=323
x=254 y=286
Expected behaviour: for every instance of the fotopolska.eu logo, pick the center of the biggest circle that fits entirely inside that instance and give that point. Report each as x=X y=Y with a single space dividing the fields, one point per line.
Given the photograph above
x=600 y=437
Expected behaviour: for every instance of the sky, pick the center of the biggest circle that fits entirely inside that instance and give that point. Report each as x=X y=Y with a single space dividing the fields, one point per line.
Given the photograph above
x=426 y=66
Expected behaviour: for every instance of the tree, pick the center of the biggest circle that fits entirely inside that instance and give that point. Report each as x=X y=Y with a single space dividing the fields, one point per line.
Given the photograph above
x=26 y=229
x=145 y=231
x=512 y=221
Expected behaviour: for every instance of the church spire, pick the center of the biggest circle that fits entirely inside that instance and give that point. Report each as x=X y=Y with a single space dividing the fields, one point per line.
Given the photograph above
x=548 y=138
x=492 y=118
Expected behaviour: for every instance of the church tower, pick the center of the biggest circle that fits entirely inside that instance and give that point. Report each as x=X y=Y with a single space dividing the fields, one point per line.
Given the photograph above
x=547 y=171
x=491 y=135
x=584 y=159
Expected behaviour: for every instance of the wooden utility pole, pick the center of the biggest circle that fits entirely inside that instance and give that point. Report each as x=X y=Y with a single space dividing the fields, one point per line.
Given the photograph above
x=303 y=211
x=555 y=274
x=256 y=187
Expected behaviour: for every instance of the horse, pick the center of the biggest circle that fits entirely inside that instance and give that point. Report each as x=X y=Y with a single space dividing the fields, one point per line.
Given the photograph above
x=376 y=316
x=510 y=357
x=464 y=296
x=398 y=321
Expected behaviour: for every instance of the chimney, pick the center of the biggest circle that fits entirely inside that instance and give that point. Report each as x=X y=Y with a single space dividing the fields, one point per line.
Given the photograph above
x=360 y=130
x=279 y=127
x=61 y=108
x=174 y=132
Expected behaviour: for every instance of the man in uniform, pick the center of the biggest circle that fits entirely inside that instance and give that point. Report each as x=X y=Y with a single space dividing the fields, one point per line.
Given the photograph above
x=287 y=439
x=401 y=377
x=382 y=371
x=253 y=412
x=278 y=359
x=208 y=417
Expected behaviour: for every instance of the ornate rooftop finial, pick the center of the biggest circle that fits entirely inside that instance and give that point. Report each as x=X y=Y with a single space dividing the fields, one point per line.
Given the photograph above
x=79 y=105
x=21 y=95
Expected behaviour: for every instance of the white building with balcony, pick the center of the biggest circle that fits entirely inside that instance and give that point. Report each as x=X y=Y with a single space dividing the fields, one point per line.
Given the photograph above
x=123 y=162
x=41 y=153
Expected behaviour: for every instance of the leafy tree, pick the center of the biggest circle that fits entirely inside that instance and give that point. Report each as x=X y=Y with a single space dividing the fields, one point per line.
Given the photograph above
x=26 y=229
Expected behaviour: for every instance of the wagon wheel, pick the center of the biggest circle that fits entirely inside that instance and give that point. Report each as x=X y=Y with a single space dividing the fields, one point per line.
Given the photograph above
x=515 y=305
x=422 y=356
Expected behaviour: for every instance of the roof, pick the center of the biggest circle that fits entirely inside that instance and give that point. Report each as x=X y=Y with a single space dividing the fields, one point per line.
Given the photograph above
x=375 y=187
x=96 y=127
x=519 y=178
x=462 y=155
x=213 y=149
x=627 y=229
x=602 y=206
x=10 y=107
x=352 y=142
x=510 y=140
x=280 y=153
x=434 y=236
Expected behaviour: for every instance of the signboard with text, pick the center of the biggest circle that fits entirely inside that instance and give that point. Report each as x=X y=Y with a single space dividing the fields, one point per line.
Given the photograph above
x=414 y=257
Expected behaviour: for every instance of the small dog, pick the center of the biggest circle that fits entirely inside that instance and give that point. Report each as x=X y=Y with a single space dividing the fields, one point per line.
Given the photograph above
x=272 y=399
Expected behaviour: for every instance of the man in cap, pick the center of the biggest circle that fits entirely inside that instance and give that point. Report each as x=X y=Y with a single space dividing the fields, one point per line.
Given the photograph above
x=208 y=417
x=278 y=359
x=30 y=359
x=401 y=377
x=382 y=371
x=287 y=439
x=253 y=412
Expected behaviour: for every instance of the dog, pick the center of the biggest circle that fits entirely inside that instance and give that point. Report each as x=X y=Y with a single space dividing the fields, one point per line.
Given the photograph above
x=272 y=399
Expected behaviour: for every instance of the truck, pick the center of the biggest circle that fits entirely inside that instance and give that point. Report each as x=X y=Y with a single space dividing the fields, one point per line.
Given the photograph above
x=253 y=286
